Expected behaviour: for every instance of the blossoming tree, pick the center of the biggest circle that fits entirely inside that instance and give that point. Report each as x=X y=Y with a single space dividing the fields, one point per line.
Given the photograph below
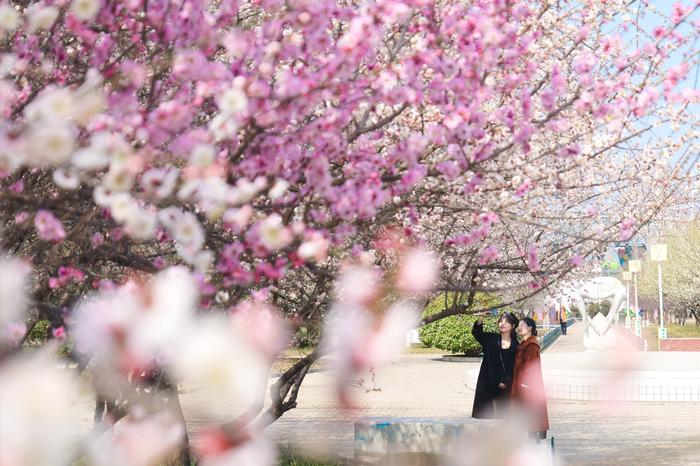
x=186 y=179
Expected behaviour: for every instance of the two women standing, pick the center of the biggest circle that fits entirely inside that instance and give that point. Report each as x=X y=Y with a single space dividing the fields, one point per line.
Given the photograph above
x=511 y=373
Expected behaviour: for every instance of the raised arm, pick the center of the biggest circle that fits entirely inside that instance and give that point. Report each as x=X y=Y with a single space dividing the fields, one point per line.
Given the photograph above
x=478 y=331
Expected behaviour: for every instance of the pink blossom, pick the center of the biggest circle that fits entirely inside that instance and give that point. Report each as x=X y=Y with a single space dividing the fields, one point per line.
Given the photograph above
x=190 y=64
x=628 y=223
x=659 y=32
x=489 y=255
x=48 y=226
x=472 y=185
x=241 y=447
x=59 y=333
x=314 y=246
x=532 y=257
x=17 y=186
x=558 y=81
x=570 y=151
x=644 y=100
x=418 y=272
x=358 y=284
x=676 y=74
x=489 y=218
x=523 y=189
x=116 y=234
x=679 y=12
x=584 y=63
x=272 y=334
x=627 y=229
x=356 y=33
x=97 y=239
x=21 y=217
x=138 y=440
x=576 y=260
x=362 y=343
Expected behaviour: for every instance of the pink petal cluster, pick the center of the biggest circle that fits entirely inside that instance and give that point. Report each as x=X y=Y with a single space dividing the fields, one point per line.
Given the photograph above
x=48 y=226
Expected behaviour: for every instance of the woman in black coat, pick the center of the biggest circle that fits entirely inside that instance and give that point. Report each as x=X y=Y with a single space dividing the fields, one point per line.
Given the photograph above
x=496 y=373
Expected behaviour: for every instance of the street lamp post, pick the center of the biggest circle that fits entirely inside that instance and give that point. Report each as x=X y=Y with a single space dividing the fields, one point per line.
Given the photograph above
x=627 y=277
x=635 y=268
x=659 y=253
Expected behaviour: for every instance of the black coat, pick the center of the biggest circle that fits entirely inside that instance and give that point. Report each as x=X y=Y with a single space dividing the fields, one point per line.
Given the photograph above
x=496 y=367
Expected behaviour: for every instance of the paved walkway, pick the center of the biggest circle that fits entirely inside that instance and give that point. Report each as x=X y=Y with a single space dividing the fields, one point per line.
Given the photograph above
x=586 y=433
x=572 y=342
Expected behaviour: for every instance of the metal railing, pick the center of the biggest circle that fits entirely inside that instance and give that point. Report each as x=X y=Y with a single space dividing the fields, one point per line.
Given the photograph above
x=552 y=333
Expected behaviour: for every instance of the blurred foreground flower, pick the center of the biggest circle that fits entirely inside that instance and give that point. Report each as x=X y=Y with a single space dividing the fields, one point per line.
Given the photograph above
x=364 y=330
x=37 y=419
x=137 y=441
x=214 y=447
x=13 y=279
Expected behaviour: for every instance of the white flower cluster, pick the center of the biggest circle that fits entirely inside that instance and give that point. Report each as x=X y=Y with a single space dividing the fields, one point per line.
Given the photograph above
x=52 y=121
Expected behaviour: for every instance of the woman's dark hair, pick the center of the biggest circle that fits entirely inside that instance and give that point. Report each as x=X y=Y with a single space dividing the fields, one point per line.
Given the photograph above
x=531 y=323
x=512 y=320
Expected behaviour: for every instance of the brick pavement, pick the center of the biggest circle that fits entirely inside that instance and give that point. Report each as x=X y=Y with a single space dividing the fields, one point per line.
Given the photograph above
x=586 y=433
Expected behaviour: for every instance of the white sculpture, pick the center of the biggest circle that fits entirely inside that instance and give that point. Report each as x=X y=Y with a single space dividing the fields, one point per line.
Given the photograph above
x=598 y=334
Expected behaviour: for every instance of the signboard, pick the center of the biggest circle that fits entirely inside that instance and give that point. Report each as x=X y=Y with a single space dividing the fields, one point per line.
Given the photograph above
x=659 y=252
x=662 y=333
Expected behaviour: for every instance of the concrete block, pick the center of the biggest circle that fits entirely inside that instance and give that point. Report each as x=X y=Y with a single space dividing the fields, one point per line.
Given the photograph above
x=412 y=441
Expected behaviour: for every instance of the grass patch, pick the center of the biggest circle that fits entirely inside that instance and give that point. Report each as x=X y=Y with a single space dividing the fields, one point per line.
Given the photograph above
x=672 y=331
x=420 y=349
x=291 y=458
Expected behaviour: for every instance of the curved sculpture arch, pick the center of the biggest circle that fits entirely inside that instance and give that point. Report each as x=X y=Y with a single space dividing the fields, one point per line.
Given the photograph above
x=598 y=333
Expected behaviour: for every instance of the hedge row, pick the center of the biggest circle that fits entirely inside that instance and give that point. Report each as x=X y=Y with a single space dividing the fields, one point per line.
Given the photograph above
x=454 y=333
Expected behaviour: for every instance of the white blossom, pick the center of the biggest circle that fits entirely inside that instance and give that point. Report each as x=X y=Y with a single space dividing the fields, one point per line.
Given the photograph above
x=9 y=18
x=203 y=155
x=121 y=206
x=41 y=17
x=37 y=399
x=188 y=231
x=50 y=144
x=118 y=178
x=13 y=296
x=203 y=261
x=222 y=127
x=87 y=106
x=232 y=101
x=278 y=189
x=159 y=181
x=66 y=179
x=238 y=218
x=168 y=315
x=52 y=103
x=140 y=223
x=102 y=196
x=85 y=10
x=274 y=234
x=217 y=364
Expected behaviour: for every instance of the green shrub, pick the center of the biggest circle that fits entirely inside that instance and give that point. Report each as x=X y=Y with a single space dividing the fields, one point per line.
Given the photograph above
x=454 y=333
